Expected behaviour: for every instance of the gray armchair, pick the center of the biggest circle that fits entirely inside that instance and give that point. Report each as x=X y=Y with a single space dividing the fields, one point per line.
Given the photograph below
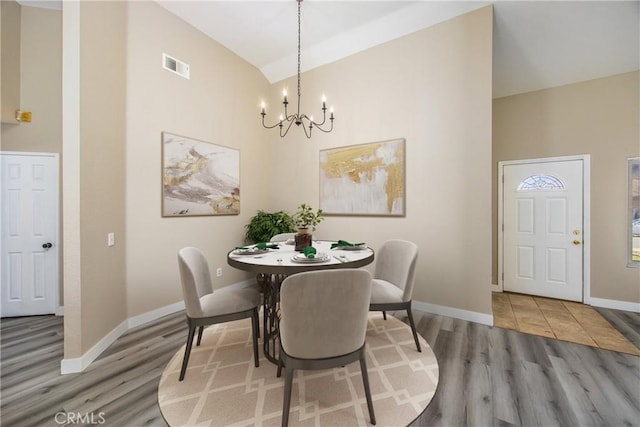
x=323 y=325
x=394 y=279
x=204 y=306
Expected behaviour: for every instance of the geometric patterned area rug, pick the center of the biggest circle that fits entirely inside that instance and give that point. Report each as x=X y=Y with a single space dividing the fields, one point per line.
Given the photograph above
x=222 y=387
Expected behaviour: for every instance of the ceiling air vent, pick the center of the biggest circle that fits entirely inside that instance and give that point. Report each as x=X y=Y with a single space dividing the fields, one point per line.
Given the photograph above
x=175 y=66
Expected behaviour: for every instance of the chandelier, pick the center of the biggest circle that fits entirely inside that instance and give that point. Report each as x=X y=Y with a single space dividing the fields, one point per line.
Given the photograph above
x=307 y=122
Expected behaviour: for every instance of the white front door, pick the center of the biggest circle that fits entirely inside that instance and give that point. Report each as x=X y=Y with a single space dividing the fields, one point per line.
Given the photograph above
x=29 y=267
x=543 y=229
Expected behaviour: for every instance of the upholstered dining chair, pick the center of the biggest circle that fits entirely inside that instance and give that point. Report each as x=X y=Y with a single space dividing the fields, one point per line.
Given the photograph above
x=282 y=237
x=393 y=280
x=206 y=307
x=323 y=325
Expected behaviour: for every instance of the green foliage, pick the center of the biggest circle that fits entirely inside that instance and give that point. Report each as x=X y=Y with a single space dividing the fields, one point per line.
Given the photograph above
x=305 y=217
x=264 y=225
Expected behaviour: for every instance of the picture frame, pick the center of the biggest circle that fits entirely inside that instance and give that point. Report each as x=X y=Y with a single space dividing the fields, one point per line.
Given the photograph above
x=633 y=231
x=364 y=179
x=199 y=178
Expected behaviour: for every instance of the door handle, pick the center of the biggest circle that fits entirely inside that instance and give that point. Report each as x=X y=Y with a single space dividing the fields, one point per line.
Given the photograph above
x=47 y=245
x=576 y=242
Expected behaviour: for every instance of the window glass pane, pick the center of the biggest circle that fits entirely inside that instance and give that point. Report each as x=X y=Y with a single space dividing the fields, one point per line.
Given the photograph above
x=540 y=182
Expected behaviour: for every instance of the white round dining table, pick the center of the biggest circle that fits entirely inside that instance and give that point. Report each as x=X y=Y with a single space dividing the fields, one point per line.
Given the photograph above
x=274 y=265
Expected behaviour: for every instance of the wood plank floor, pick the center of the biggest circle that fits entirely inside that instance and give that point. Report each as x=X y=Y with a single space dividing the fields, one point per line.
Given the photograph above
x=488 y=376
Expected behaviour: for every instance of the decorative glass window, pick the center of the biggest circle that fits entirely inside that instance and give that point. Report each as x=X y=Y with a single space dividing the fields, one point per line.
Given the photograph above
x=540 y=182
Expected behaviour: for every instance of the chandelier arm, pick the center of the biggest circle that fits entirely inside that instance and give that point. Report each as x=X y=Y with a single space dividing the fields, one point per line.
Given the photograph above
x=308 y=135
x=327 y=130
x=282 y=135
x=324 y=118
x=269 y=127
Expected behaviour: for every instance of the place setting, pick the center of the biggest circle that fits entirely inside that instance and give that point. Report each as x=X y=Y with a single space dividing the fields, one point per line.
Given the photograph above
x=257 y=249
x=310 y=255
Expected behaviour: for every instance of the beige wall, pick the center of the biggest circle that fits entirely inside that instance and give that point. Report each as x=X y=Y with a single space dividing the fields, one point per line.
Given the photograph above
x=40 y=80
x=10 y=59
x=600 y=118
x=219 y=104
x=95 y=287
x=434 y=89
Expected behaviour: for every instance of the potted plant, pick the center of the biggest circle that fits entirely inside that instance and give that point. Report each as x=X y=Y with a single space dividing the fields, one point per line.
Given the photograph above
x=303 y=219
x=264 y=225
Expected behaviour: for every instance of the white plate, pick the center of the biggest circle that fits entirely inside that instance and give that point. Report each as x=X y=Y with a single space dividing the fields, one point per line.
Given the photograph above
x=250 y=251
x=351 y=248
x=303 y=259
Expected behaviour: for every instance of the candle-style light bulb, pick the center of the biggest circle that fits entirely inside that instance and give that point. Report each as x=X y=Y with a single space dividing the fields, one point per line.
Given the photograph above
x=284 y=94
x=262 y=105
x=331 y=111
x=324 y=101
x=281 y=118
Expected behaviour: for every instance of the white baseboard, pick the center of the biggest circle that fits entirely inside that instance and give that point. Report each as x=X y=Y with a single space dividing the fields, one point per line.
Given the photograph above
x=614 y=304
x=495 y=288
x=152 y=315
x=59 y=310
x=78 y=364
x=471 y=316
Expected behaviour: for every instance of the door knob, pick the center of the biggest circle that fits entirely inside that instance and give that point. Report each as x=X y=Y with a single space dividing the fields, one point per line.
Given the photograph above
x=47 y=245
x=576 y=242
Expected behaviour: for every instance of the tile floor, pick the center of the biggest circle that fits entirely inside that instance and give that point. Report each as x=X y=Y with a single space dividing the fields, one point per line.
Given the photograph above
x=563 y=320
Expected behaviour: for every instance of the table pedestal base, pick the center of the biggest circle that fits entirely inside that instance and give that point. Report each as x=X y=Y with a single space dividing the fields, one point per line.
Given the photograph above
x=271 y=315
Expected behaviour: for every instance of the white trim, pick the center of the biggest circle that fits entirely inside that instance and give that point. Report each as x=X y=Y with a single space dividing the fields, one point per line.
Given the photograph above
x=59 y=310
x=150 y=316
x=78 y=364
x=29 y=153
x=495 y=287
x=586 y=217
x=442 y=310
x=615 y=304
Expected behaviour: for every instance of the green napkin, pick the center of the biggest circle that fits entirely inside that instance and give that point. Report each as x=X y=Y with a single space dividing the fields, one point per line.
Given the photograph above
x=309 y=252
x=342 y=243
x=261 y=245
x=264 y=245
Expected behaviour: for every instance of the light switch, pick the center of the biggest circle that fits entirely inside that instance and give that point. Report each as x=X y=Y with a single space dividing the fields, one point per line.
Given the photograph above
x=111 y=239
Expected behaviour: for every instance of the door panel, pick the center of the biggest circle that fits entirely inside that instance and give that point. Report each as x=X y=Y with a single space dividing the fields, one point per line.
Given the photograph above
x=542 y=208
x=29 y=271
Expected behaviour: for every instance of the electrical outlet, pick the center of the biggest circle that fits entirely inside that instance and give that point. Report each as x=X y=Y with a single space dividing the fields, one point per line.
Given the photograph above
x=111 y=239
x=219 y=272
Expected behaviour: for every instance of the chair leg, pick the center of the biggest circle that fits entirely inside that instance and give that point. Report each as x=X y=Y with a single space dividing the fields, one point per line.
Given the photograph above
x=200 y=335
x=286 y=404
x=258 y=324
x=384 y=315
x=187 y=351
x=367 y=389
x=280 y=363
x=255 y=327
x=413 y=329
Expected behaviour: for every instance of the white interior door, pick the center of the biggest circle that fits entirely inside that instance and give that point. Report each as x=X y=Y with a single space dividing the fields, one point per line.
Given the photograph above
x=29 y=267
x=543 y=229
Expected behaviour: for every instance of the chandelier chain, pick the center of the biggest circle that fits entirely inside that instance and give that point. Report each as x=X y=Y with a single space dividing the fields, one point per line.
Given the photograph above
x=299 y=93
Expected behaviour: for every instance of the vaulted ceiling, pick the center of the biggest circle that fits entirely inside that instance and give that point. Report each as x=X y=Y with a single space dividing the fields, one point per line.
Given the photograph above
x=537 y=44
